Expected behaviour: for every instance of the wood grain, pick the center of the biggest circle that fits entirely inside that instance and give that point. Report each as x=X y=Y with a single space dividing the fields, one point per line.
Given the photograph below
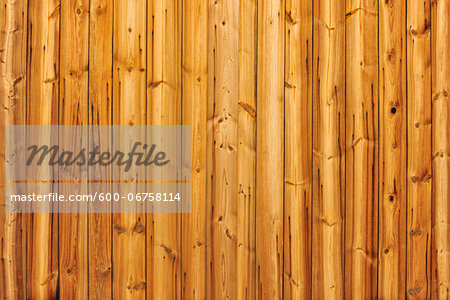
x=298 y=145
x=13 y=35
x=130 y=103
x=99 y=111
x=164 y=108
x=270 y=150
x=392 y=164
x=73 y=110
x=361 y=210
x=195 y=88
x=440 y=234
x=42 y=109
x=223 y=185
x=329 y=150
x=246 y=147
x=419 y=150
x=319 y=147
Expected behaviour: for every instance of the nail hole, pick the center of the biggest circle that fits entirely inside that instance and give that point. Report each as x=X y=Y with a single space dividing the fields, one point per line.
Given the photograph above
x=393 y=110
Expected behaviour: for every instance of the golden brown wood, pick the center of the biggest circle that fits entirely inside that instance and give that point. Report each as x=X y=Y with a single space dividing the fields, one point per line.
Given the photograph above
x=361 y=149
x=270 y=150
x=392 y=164
x=42 y=109
x=223 y=135
x=73 y=110
x=194 y=81
x=287 y=101
x=298 y=146
x=246 y=147
x=328 y=151
x=129 y=108
x=99 y=108
x=164 y=108
x=13 y=35
x=210 y=146
x=419 y=150
x=440 y=26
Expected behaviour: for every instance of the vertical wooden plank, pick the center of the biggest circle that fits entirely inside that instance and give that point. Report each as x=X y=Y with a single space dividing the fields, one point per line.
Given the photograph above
x=100 y=93
x=246 y=267
x=328 y=151
x=129 y=98
x=419 y=150
x=392 y=164
x=362 y=149
x=42 y=109
x=298 y=145
x=210 y=146
x=73 y=239
x=224 y=163
x=164 y=108
x=270 y=150
x=194 y=81
x=13 y=45
x=440 y=27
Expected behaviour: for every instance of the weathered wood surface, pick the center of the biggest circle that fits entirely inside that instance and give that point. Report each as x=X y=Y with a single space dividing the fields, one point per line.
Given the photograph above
x=298 y=145
x=320 y=147
x=361 y=128
x=270 y=150
x=328 y=150
x=419 y=125
x=440 y=214
x=392 y=164
x=13 y=70
x=99 y=113
x=129 y=108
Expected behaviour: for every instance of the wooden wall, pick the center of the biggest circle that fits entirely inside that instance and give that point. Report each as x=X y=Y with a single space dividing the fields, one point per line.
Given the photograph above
x=320 y=146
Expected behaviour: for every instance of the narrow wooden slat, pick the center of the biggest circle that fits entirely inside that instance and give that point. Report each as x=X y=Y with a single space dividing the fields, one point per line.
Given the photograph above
x=246 y=147
x=328 y=151
x=270 y=150
x=129 y=108
x=419 y=150
x=361 y=149
x=392 y=164
x=42 y=109
x=223 y=135
x=210 y=147
x=194 y=81
x=73 y=110
x=440 y=26
x=164 y=108
x=298 y=145
x=13 y=42
x=100 y=101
